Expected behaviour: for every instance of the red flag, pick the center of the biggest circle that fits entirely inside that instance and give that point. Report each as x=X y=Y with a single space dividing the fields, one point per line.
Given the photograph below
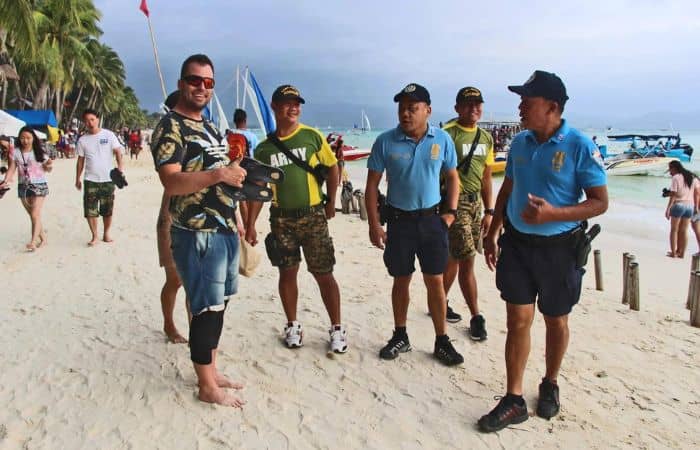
x=144 y=8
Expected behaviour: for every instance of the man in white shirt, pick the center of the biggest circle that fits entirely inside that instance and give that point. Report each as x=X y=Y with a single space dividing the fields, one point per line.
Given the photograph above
x=95 y=149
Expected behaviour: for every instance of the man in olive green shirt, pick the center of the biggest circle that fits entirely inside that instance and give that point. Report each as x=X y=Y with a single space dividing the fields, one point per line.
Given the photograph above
x=299 y=216
x=475 y=187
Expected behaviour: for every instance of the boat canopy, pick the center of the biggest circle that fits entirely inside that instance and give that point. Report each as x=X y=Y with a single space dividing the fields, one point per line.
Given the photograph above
x=643 y=137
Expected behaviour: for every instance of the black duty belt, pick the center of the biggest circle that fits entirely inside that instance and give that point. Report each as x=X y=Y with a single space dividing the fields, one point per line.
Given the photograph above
x=285 y=213
x=396 y=213
x=536 y=240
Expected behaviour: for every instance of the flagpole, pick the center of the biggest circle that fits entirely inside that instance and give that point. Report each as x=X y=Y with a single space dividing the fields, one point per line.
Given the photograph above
x=155 y=55
x=238 y=76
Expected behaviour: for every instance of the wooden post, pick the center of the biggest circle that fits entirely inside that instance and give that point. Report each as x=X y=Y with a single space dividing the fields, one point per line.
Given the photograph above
x=630 y=259
x=633 y=286
x=692 y=287
x=695 y=301
x=625 y=264
x=363 y=207
x=695 y=263
x=598 y=270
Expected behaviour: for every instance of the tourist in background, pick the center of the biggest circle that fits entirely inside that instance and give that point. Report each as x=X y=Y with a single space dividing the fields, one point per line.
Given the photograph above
x=31 y=163
x=681 y=206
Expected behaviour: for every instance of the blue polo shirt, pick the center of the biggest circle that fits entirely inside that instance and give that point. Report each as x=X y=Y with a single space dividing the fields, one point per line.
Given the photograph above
x=557 y=170
x=413 y=168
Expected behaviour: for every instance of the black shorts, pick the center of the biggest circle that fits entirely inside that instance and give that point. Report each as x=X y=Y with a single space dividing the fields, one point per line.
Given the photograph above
x=424 y=237
x=547 y=273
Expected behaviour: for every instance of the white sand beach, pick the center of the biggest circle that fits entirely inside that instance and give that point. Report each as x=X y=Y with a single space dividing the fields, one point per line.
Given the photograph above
x=84 y=362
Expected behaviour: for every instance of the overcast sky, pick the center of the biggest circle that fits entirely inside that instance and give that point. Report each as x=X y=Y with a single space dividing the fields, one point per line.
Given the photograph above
x=620 y=59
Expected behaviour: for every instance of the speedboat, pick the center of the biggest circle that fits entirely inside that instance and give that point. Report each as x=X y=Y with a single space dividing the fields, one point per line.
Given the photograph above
x=350 y=153
x=633 y=163
x=664 y=145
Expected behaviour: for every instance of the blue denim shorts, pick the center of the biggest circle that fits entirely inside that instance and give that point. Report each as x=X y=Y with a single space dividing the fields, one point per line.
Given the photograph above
x=681 y=210
x=207 y=263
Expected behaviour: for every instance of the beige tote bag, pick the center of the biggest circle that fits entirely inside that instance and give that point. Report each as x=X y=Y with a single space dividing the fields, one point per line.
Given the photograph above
x=249 y=259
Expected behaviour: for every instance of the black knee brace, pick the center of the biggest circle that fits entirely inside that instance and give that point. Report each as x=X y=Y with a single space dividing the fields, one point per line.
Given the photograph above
x=205 y=331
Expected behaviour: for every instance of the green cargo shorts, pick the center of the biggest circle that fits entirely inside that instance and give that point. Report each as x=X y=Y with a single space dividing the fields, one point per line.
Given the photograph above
x=309 y=233
x=465 y=231
x=98 y=198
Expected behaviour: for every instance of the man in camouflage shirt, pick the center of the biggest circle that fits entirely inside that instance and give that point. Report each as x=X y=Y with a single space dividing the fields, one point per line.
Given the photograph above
x=192 y=162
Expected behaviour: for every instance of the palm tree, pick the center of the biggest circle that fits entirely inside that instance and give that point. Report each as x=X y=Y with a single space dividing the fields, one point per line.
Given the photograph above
x=17 y=16
x=63 y=27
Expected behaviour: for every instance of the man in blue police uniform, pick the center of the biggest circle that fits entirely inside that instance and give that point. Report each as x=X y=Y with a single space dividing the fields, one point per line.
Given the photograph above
x=549 y=167
x=414 y=154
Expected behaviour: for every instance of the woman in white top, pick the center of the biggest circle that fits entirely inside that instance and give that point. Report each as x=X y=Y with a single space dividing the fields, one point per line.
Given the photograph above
x=31 y=163
x=681 y=206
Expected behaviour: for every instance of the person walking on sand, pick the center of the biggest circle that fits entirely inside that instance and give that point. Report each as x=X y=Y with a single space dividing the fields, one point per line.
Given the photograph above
x=414 y=155
x=168 y=293
x=95 y=149
x=475 y=156
x=31 y=163
x=298 y=215
x=191 y=158
x=681 y=206
x=550 y=165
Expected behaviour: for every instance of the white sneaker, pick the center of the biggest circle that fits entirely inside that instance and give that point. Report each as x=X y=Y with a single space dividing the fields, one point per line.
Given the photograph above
x=339 y=339
x=293 y=334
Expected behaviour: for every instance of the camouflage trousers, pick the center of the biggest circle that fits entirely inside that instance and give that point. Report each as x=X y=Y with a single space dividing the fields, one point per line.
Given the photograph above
x=309 y=233
x=465 y=231
x=98 y=198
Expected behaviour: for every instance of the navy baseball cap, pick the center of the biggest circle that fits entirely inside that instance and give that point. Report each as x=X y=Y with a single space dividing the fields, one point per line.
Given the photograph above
x=172 y=99
x=543 y=84
x=414 y=91
x=469 y=94
x=287 y=92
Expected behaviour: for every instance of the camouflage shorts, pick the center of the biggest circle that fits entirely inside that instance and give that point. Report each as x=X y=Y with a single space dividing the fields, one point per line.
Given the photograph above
x=98 y=198
x=465 y=231
x=309 y=233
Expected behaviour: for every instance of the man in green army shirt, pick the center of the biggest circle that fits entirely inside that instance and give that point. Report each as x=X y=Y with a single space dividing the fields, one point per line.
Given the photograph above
x=475 y=187
x=299 y=216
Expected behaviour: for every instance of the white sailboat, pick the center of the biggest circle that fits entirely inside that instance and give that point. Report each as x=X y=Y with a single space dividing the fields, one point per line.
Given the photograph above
x=252 y=90
x=364 y=122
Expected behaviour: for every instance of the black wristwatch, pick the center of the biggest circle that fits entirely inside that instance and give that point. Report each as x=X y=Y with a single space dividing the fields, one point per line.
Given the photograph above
x=489 y=211
x=451 y=211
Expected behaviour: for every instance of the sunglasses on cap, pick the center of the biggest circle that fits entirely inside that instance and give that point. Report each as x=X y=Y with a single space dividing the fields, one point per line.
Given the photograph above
x=196 y=81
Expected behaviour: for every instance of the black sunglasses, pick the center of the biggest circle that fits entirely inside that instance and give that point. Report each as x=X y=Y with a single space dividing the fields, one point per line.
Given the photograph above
x=196 y=81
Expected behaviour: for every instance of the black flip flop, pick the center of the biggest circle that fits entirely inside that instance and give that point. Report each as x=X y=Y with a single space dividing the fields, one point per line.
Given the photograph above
x=257 y=171
x=249 y=191
x=118 y=178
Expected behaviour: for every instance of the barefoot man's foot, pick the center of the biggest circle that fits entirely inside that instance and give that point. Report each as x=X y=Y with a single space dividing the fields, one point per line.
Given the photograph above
x=220 y=397
x=174 y=336
x=107 y=239
x=93 y=242
x=224 y=382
